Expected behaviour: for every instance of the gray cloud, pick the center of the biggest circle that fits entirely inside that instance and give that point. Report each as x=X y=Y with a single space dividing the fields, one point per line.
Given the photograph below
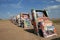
x=58 y=0
x=53 y=7
x=53 y=11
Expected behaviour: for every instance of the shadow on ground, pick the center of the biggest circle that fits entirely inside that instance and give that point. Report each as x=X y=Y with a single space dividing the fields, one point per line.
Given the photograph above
x=32 y=31
x=56 y=38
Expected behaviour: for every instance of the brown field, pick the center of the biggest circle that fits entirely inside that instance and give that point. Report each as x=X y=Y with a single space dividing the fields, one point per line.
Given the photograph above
x=9 y=31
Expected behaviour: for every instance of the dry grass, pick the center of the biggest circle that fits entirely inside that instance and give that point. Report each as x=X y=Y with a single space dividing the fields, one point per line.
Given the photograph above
x=56 y=20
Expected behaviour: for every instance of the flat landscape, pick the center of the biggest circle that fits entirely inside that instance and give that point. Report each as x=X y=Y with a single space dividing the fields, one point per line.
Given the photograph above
x=9 y=31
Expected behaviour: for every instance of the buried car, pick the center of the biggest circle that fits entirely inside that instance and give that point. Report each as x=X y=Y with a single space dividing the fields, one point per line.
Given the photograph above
x=42 y=24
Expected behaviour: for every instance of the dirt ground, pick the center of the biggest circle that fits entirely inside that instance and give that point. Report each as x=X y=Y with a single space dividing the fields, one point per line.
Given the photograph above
x=9 y=31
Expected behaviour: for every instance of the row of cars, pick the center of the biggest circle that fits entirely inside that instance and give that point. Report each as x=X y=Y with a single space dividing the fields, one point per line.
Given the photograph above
x=37 y=20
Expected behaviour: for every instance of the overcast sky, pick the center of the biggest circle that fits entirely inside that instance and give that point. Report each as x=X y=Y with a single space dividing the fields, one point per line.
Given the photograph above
x=13 y=7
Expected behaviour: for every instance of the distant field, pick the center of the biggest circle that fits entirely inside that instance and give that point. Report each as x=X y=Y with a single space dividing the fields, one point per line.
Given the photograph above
x=3 y=20
x=56 y=21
